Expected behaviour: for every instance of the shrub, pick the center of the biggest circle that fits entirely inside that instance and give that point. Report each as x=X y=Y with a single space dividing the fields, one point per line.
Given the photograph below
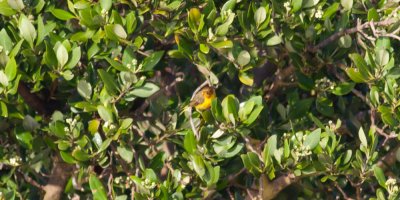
x=94 y=98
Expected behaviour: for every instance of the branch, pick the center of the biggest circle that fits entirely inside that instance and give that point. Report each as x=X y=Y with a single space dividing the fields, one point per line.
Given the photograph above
x=32 y=100
x=59 y=175
x=356 y=29
x=271 y=189
x=32 y=182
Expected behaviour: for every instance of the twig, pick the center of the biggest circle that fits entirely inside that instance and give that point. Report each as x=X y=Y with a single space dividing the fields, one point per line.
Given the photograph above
x=230 y=193
x=356 y=29
x=32 y=182
x=110 y=185
x=195 y=132
x=385 y=135
x=342 y=192
x=142 y=53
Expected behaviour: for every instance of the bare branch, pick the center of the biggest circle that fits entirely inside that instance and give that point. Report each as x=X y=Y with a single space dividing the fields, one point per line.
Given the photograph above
x=356 y=29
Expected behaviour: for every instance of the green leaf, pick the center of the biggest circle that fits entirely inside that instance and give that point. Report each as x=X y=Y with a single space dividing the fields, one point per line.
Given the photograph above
x=67 y=75
x=27 y=30
x=223 y=29
x=355 y=75
x=104 y=145
x=274 y=40
x=198 y=165
x=125 y=123
x=105 y=4
x=216 y=110
x=246 y=109
x=145 y=90
x=5 y=9
x=80 y=155
x=194 y=19
x=25 y=138
x=119 y=31
x=345 y=41
x=362 y=137
x=312 y=139
x=11 y=69
x=3 y=78
x=272 y=144
x=3 y=109
x=361 y=65
x=131 y=22
x=382 y=57
x=252 y=163
x=62 y=55
x=243 y=58
x=150 y=175
x=373 y=15
x=76 y=56
x=246 y=77
x=229 y=5
x=222 y=44
x=347 y=156
x=93 y=126
x=57 y=128
x=109 y=82
x=330 y=11
x=300 y=108
x=105 y=114
x=230 y=108
x=118 y=66
x=347 y=4
x=343 y=88
x=386 y=115
x=324 y=105
x=309 y=3
x=150 y=62
x=97 y=188
x=380 y=176
x=17 y=5
x=260 y=15
x=67 y=157
x=254 y=115
x=125 y=153
x=190 y=143
x=296 y=5
x=62 y=14
x=84 y=89
x=5 y=41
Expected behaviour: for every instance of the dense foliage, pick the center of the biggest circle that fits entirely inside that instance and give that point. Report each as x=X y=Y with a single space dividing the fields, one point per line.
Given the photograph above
x=94 y=99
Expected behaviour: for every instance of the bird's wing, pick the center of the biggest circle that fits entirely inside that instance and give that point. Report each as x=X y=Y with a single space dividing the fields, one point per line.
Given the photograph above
x=198 y=99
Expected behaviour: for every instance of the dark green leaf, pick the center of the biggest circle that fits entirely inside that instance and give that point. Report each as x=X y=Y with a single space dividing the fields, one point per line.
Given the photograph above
x=62 y=14
x=97 y=188
x=150 y=62
x=109 y=82
x=343 y=88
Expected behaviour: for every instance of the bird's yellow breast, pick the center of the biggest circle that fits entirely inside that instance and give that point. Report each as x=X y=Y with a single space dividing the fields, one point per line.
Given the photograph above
x=206 y=103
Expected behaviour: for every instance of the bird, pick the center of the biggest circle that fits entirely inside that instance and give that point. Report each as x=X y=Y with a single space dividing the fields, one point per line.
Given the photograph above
x=202 y=100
